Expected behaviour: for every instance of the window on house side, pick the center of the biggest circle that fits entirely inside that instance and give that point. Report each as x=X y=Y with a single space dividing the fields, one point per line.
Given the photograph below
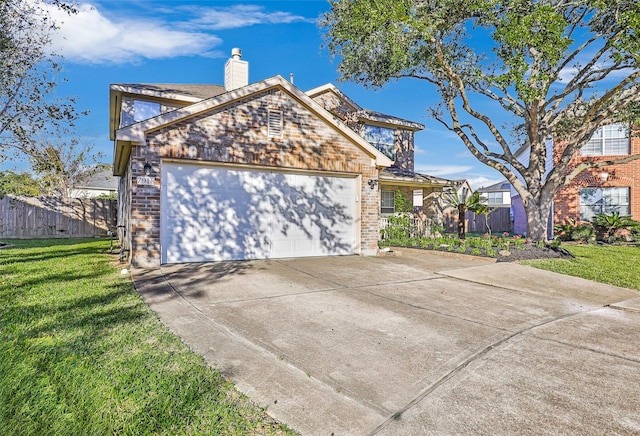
x=275 y=122
x=494 y=198
x=594 y=201
x=383 y=139
x=387 y=204
x=143 y=110
x=418 y=199
x=610 y=140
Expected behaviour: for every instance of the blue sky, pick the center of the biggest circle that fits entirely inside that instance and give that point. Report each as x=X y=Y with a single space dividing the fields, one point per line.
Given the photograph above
x=139 y=41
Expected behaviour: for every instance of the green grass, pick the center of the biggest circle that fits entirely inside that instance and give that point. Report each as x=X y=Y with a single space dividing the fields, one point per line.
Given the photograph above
x=81 y=354
x=614 y=265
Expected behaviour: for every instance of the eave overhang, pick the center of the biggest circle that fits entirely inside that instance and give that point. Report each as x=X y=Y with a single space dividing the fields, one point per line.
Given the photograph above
x=136 y=133
x=396 y=177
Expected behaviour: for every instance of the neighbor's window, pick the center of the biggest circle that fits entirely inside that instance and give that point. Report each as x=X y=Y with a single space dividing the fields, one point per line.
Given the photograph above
x=594 y=201
x=143 y=110
x=494 y=198
x=387 y=204
x=382 y=138
x=608 y=140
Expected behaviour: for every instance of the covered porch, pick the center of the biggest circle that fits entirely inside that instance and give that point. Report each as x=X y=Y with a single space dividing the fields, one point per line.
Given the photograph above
x=419 y=192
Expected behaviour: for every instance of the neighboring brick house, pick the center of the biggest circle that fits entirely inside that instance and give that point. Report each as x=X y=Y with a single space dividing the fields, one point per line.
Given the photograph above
x=613 y=188
x=252 y=171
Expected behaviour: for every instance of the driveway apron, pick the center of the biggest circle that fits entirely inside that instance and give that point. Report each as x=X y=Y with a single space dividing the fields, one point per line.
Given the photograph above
x=414 y=344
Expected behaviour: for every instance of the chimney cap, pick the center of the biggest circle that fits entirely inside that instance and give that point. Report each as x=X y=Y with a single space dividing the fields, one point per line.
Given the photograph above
x=236 y=53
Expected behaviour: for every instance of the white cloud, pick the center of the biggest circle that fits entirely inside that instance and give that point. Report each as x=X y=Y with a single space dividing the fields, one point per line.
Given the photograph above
x=569 y=72
x=481 y=182
x=241 y=16
x=458 y=172
x=90 y=37
x=443 y=170
x=419 y=150
x=463 y=154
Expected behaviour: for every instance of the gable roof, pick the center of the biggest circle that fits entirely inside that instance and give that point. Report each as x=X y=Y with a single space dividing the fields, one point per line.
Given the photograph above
x=500 y=186
x=135 y=133
x=101 y=179
x=185 y=93
x=173 y=91
x=364 y=114
x=399 y=177
x=330 y=87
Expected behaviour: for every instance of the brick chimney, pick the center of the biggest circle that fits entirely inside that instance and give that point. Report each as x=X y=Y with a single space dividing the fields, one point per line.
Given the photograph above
x=236 y=71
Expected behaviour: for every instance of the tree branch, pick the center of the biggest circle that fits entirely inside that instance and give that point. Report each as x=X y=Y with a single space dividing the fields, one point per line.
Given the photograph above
x=459 y=85
x=598 y=164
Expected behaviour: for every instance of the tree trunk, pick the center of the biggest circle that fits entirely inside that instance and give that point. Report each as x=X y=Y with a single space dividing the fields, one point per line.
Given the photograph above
x=461 y=221
x=538 y=211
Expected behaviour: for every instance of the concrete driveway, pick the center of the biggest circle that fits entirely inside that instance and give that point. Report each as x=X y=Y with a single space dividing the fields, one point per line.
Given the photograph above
x=414 y=344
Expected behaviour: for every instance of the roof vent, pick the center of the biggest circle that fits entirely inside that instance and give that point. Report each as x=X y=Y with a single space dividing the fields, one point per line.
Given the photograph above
x=236 y=71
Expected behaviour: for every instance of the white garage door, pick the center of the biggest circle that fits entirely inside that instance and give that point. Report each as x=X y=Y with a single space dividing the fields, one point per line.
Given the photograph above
x=220 y=213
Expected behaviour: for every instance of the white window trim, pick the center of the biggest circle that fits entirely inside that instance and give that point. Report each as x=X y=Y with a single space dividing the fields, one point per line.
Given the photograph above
x=495 y=196
x=145 y=109
x=376 y=144
x=393 y=196
x=627 y=204
x=603 y=141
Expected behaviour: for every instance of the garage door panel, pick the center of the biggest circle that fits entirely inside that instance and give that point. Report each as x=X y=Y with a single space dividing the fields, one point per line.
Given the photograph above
x=215 y=213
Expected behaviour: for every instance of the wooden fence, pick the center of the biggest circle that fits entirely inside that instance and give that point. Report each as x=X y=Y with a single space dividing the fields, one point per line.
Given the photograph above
x=48 y=217
x=499 y=221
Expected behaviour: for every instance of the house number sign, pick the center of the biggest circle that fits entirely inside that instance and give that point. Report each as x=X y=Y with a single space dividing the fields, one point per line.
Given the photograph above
x=145 y=181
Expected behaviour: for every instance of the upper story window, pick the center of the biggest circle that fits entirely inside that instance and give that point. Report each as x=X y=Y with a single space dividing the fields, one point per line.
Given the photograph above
x=143 y=110
x=609 y=140
x=134 y=111
x=382 y=138
x=494 y=198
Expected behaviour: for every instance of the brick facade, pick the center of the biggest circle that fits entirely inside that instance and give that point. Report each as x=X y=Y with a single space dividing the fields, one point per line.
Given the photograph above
x=567 y=199
x=404 y=138
x=237 y=134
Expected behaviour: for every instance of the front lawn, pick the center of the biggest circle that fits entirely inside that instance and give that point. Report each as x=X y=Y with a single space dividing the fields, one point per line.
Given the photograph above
x=614 y=265
x=80 y=353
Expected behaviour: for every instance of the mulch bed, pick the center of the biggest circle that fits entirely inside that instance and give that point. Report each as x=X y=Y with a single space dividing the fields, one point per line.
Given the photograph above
x=527 y=252
x=532 y=251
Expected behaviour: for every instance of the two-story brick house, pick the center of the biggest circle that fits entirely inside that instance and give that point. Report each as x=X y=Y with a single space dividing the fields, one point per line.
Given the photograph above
x=252 y=171
x=612 y=188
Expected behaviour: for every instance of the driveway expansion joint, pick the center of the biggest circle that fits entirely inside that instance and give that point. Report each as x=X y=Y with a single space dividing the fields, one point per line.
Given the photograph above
x=473 y=357
x=277 y=354
x=463 y=343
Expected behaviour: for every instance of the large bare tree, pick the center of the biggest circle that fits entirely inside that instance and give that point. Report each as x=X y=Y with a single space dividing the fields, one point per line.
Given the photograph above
x=521 y=71
x=29 y=74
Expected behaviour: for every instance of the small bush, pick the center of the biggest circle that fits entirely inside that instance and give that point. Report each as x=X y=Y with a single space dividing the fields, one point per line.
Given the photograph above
x=584 y=233
x=613 y=227
x=518 y=242
x=564 y=232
